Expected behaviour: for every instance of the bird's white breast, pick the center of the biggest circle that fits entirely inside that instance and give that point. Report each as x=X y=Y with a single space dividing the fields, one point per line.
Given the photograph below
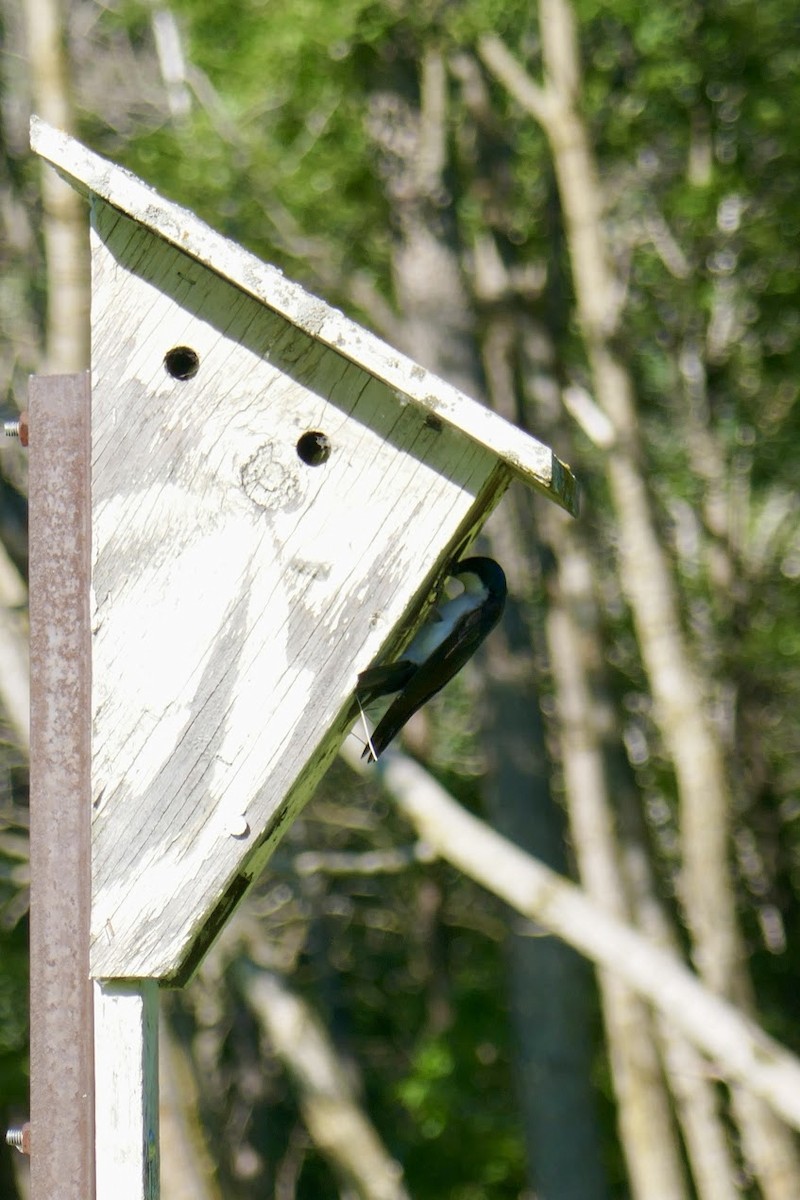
x=441 y=624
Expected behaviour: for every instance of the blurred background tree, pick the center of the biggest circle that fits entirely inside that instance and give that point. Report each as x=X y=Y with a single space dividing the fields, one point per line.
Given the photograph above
x=586 y=216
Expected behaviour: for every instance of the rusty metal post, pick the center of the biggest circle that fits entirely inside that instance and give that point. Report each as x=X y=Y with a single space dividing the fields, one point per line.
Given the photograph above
x=62 y=1063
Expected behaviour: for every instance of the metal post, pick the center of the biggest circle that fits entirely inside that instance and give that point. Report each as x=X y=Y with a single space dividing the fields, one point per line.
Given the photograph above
x=62 y=1065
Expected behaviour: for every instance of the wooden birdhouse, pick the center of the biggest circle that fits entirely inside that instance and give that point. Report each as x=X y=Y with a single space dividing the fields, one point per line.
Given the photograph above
x=274 y=491
x=274 y=494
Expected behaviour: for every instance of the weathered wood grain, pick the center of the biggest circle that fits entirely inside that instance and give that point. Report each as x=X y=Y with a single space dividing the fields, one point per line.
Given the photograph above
x=237 y=591
x=524 y=455
x=126 y=1089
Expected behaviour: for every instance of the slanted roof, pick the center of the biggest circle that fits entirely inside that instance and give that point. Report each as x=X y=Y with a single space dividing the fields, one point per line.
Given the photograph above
x=525 y=457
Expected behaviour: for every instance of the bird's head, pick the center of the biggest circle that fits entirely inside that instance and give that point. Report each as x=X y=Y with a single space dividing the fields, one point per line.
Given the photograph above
x=480 y=575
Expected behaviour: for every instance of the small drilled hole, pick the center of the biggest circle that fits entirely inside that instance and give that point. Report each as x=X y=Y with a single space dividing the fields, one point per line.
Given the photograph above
x=314 y=448
x=182 y=362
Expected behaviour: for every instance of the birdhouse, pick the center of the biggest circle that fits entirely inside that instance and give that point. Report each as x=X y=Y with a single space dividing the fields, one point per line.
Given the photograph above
x=274 y=493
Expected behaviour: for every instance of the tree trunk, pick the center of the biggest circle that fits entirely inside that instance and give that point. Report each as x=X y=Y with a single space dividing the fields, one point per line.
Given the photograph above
x=551 y=988
x=187 y=1169
x=680 y=696
x=548 y=982
x=66 y=233
x=647 y=1129
x=698 y=1098
x=335 y=1121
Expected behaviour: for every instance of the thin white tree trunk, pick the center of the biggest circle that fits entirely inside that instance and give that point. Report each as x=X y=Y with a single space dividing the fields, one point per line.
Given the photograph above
x=187 y=1168
x=698 y=1099
x=14 y=660
x=439 y=330
x=334 y=1119
x=645 y=572
x=647 y=1129
x=679 y=694
x=66 y=224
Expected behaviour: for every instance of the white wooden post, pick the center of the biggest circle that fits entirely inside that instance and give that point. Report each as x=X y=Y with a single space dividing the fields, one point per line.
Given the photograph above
x=126 y=1089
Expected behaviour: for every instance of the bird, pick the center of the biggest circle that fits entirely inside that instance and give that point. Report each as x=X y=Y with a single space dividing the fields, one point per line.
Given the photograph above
x=450 y=636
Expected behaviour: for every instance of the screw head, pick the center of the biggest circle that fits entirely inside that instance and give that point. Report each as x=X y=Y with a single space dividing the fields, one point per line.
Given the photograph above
x=20 y=1138
x=17 y=428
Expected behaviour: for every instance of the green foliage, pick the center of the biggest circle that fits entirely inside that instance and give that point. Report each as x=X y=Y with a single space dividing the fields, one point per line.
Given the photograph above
x=263 y=150
x=440 y=1094
x=691 y=109
x=13 y=925
x=455 y=1094
x=14 y=1014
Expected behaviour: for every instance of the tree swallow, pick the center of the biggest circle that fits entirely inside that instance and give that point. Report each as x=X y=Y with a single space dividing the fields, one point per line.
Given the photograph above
x=449 y=637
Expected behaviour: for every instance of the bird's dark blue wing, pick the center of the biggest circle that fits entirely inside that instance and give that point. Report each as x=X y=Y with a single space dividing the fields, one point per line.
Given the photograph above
x=384 y=680
x=431 y=676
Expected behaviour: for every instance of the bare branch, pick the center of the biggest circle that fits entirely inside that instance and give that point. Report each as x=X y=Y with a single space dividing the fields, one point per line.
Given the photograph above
x=374 y=862
x=336 y=1122
x=171 y=61
x=536 y=100
x=738 y=1047
x=559 y=34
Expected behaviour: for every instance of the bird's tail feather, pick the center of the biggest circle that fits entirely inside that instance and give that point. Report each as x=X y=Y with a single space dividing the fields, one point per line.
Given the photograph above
x=384 y=680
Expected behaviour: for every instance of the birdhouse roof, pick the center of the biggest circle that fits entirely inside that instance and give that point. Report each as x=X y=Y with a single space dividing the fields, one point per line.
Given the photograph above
x=93 y=175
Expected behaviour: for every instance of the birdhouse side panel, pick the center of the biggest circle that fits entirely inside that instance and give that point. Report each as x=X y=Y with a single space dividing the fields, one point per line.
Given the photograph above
x=265 y=513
